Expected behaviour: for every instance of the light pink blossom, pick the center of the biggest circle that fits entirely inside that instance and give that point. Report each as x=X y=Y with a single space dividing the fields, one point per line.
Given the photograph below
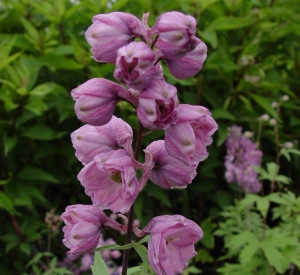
x=82 y=227
x=135 y=65
x=110 y=180
x=187 y=139
x=172 y=243
x=241 y=159
x=169 y=172
x=190 y=64
x=96 y=100
x=90 y=141
x=111 y=31
x=176 y=34
x=157 y=107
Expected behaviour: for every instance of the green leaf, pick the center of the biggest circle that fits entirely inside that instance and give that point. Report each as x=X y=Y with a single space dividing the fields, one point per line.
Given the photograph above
x=249 y=200
x=262 y=204
x=42 y=132
x=248 y=252
x=37 y=174
x=222 y=134
x=25 y=247
x=274 y=256
x=6 y=203
x=283 y=179
x=211 y=37
x=265 y=104
x=36 y=105
x=9 y=143
x=204 y=4
x=230 y=23
x=99 y=267
x=143 y=253
x=134 y=270
x=32 y=31
x=145 y=239
x=44 y=89
x=219 y=113
x=272 y=169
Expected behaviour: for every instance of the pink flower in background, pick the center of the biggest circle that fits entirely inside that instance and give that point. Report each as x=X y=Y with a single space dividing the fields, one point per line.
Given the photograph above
x=157 y=107
x=190 y=64
x=96 y=100
x=82 y=227
x=111 y=31
x=135 y=65
x=187 y=139
x=176 y=34
x=90 y=141
x=110 y=180
x=242 y=156
x=86 y=260
x=172 y=243
x=169 y=172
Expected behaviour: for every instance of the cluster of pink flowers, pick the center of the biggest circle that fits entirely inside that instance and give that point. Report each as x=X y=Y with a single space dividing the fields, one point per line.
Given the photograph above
x=241 y=159
x=104 y=144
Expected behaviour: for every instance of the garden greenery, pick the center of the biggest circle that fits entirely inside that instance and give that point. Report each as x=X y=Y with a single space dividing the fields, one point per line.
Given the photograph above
x=250 y=79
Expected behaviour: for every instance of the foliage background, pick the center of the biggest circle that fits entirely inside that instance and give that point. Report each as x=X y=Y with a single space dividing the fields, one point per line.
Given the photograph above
x=253 y=60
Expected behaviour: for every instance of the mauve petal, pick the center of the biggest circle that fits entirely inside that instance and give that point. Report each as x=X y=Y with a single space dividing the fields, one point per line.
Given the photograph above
x=181 y=142
x=172 y=243
x=190 y=64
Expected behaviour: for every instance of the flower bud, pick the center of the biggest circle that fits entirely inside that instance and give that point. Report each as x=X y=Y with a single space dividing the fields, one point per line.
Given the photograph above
x=134 y=65
x=157 y=107
x=176 y=34
x=272 y=121
x=96 y=100
x=288 y=145
x=82 y=227
x=110 y=180
x=169 y=172
x=172 y=243
x=190 y=64
x=111 y=31
x=285 y=98
x=90 y=141
x=187 y=139
x=264 y=117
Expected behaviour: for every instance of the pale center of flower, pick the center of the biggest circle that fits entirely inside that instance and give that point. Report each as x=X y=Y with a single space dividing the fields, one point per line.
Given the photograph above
x=186 y=142
x=170 y=239
x=116 y=176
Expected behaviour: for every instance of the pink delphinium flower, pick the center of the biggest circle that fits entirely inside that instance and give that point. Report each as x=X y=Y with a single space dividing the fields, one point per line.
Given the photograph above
x=187 y=139
x=82 y=227
x=90 y=141
x=176 y=34
x=242 y=156
x=169 y=172
x=172 y=243
x=157 y=107
x=190 y=64
x=110 y=180
x=96 y=100
x=111 y=31
x=135 y=65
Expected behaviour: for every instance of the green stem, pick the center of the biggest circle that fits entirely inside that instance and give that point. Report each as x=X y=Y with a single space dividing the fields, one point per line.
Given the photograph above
x=131 y=211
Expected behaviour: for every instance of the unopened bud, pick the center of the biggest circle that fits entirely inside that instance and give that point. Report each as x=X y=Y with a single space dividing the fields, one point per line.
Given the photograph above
x=273 y=121
x=285 y=98
x=288 y=145
x=264 y=117
x=248 y=134
x=275 y=104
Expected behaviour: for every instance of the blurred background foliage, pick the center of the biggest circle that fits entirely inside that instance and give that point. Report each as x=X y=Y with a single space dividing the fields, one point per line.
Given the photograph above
x=253 y=60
